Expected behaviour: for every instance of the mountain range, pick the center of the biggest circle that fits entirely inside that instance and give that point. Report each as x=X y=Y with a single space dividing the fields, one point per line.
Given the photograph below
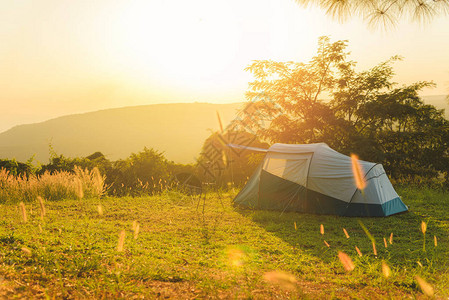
x=178 y=130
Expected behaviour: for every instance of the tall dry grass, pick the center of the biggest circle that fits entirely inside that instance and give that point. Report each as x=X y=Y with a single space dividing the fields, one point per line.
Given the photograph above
x=82 y=183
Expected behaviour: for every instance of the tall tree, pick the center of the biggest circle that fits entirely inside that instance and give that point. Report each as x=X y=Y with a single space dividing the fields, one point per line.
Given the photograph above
x=327 y=100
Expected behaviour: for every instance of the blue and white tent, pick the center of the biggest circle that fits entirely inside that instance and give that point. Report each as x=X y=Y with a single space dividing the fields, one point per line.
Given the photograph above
x=314 y=178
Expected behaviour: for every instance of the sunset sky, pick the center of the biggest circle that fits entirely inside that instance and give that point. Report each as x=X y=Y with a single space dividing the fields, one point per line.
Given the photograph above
x=63 y=57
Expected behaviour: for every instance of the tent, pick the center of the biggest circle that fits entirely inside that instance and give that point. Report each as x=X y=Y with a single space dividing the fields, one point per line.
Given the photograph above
x=314 y=178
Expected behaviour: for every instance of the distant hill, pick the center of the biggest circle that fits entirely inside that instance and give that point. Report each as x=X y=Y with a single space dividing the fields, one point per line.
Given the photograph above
x=178 y=130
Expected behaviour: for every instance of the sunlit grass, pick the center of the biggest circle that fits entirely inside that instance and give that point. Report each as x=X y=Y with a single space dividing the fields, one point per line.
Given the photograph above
x=82 y=183
x=226 y=252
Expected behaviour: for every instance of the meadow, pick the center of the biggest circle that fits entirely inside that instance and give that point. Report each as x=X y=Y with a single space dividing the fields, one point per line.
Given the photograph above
x=185 y=247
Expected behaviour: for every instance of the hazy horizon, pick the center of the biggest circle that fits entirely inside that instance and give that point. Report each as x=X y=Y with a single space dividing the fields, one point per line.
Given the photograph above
x=64 y=57
x=443 y=104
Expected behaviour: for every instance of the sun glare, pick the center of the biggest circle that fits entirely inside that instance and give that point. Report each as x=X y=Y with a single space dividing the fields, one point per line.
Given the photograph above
x=199 y=46
x=181 y=42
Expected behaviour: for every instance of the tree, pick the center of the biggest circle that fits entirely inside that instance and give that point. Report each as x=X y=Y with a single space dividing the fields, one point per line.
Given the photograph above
x=297 y=89
x=365 y=112
x=382 y=12
x=141 y=173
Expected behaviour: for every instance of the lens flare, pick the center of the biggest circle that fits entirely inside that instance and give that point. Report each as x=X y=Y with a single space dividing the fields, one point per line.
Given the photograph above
x=282 y=279
x=236 y=257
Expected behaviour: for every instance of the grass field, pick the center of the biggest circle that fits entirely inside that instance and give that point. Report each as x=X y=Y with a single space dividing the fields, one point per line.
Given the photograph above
x=185 y=250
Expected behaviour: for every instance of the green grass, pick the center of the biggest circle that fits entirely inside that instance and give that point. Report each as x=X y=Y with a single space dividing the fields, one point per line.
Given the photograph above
x=183 y=252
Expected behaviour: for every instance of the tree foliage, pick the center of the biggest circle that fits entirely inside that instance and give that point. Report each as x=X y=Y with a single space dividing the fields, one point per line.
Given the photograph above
x=364 y=112
x=144 y=172
x=381 y=13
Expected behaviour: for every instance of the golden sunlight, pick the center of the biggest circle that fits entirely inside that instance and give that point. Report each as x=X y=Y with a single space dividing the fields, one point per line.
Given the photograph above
x=184 y=43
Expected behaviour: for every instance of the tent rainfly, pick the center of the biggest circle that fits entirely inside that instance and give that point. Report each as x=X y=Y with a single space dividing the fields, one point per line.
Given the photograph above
x=314 y=178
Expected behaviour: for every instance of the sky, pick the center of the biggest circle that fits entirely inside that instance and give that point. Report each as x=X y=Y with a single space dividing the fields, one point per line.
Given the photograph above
x=60 y=57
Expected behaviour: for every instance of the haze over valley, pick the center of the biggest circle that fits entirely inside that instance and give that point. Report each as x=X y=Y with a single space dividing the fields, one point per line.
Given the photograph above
x=178 y=130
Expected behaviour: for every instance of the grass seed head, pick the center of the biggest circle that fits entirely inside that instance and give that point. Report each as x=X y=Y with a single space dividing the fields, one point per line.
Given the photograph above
x=42 y=206
x=358 y=251
x=391 y=238
x=435 y=241
x=321 y=228
x=121 y=241
x=385 y=243
x=24 y=212
x=295 y=226
x=423 y=227
x=325 y=243
x=346 y=233
x=79 y=189
x=346 y=261
x=357 y=172
x=26 y=251
x=426 y=288
x=282 y=279
x=386 y=269
x=100 y=210
x=136 y=228
x=374 y=249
